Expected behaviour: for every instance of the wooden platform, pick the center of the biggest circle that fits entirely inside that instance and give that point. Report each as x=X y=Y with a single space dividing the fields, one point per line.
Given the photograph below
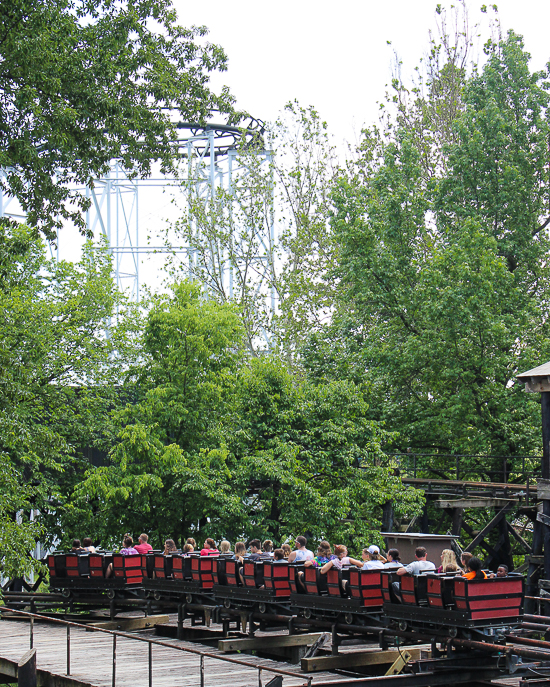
x=465 y=489
x=92 y=653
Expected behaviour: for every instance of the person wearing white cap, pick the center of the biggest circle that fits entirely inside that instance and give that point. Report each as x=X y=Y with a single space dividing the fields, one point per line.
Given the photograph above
x=372 y=559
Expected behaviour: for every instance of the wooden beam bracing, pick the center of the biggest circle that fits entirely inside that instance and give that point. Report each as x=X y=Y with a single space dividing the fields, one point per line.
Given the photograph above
x=126 y=624
x=259 y=643
x=490 y=526
x=361 y=658
x=472 y=503
x=517 y=536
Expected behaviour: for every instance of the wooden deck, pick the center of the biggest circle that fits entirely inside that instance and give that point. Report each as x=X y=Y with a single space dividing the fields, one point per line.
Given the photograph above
x=92 y=654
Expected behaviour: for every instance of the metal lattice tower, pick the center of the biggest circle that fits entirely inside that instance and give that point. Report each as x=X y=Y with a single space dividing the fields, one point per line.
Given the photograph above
x=214 y=170
x=211 y=161
x=114 y=212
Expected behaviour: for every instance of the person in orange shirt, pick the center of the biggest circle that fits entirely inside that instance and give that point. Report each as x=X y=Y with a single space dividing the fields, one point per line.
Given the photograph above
x=475 y=572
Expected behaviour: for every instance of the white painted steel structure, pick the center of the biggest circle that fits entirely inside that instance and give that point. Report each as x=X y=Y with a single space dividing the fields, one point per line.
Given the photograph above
x=210 y=161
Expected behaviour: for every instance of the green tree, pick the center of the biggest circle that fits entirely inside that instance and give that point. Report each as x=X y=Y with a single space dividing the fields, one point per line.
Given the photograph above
x=265 y=243
x=18 y=534
x=56 y=374
x=167 y=469
x=226 y=446
x=84 y=82
x=445 y=274
x=498 y=167
x=308 y=459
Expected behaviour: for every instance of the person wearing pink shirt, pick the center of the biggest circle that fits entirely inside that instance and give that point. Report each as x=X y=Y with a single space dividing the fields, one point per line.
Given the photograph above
x=209 y=548
x=128 y=549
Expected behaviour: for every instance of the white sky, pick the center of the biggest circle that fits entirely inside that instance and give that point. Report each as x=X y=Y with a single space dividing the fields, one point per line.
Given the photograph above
x=334 y=55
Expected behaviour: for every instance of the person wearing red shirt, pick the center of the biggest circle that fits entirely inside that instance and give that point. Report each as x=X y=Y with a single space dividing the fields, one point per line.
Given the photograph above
x=143 y=546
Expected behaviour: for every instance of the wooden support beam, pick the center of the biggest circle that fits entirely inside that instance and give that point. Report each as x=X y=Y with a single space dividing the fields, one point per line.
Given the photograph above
x=425 y=522
x=510 y=486
x=530 y=511
x=543 y=489
x=458 y=514
x=472 y=503
x=517 y=536
x=536 y=560
x=439 y=523
x=399 y=664
x=485 y=531
x=489 y=562
x=507 y=545
x=359 y=658
x=483 y=544
x=259 y=643
x=387 y=517
x=532 y=572
x=26 y=670
x=132 y=623
x=8 y=671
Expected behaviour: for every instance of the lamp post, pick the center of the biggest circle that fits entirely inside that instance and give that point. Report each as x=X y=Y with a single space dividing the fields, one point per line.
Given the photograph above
x=538 y=380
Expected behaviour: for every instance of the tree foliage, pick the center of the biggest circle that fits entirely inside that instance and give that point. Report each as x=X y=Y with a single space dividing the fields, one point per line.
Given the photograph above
x=446 y=272
x=166 y=469
x=57 y=377
x=264 y=243
x=219 y=445
x=87 y=81
x=309 y=458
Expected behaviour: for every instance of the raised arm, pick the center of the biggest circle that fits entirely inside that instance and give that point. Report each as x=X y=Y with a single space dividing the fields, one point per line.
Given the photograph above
x=326 y=567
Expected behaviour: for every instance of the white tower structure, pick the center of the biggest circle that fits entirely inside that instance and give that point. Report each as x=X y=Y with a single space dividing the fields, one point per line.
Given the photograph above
x=215 y=161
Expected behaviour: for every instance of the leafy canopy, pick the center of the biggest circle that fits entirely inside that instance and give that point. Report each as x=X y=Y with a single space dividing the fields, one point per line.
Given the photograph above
x=167 y=467
x=85 y=81
x=224 y=446
x=444 y=264
x=57 y=375
x=308 y=459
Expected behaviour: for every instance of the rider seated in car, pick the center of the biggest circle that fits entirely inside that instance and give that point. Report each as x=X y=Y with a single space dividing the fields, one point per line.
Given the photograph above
x=372 y=558
x=210 y=548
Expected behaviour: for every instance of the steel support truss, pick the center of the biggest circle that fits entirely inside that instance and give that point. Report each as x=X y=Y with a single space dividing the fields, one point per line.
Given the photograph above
x=212 y=165
x=239 y=261
x=114 y=214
